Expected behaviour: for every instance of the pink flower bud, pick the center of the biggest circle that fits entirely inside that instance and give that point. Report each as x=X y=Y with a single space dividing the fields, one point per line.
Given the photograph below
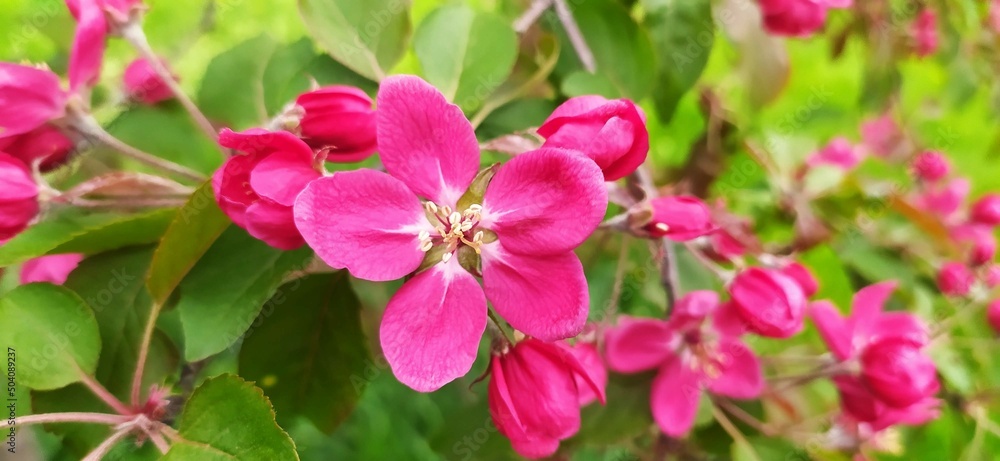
x=803 y=277
x=29 y=97
x=143 y=84
x=339 y=119
x=794 y=18
x=978 y=240
x=52 y=269
x=610 y=132
x=533 y=396
x=18 y=197
x=955 y=279
x=45 y=144
x=986 y=210
x=680 y=218
x=839 y=153
x=770 y=302
x=993 y=315
x=881 y=135
x=925 y=34
x=257 y=188
x=898 y=372
x=931 y=166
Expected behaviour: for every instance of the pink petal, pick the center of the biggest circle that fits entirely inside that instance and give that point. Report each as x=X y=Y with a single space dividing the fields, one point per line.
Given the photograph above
x=637 y=344
x=578 y=105
x=29 y=97
x=87 y=54
x=260 y=142
x=364 y=220
x=544 y=297
x=52 y=269
x=728 y=321
x=432 y=326
x=833 y=328
x=231 y=184
x=545 y=202
x=589 y=371
x=740 y=375
x=282 y=176
x=867 y=306
x=424 y=141
x=535 y=448
x=273 y=223
x=693 y=308
x=543 y=389
x=506 y=420
x=900 y=325
x=675 y=396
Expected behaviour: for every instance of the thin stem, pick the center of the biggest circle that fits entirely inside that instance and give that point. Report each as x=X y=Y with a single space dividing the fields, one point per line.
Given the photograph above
x=159 y=441
x=575 y=36
x=71 y=417
x=136 y=202
x=133 y=34
x=108 y=444
x=147 y=338
x=530 y=16
x=743 y=416
x=616 y=289
x=102 y=393
x=91 y=129
x=733 y=432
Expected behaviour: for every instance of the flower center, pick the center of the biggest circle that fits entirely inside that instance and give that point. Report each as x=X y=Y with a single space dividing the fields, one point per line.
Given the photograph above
x=706 y=358
x=453 y=229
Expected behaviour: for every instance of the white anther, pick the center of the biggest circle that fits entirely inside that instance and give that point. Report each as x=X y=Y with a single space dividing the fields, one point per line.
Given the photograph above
x=661 y=227
x=446 y=257
x=431 y=207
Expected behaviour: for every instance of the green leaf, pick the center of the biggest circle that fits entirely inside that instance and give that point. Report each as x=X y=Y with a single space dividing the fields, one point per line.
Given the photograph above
x=683 y=34
x=480 y=53
x=231 y=92
x=292 y=69
x=309 y=350
x=582 y=83
x=226 y=289
x=193 y=230
x=368 y=37
x=176 y=137
x=622 y=50
x=72 y=231
x=112 y=284
x=52 y=332
x=230 y=419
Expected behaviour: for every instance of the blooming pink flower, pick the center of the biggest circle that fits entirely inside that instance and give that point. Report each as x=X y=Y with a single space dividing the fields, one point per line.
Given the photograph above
x=143 y=84
x=537 y=208
x=45 y=144
x=690 y=353
x=955 y=279
x=29 y=97
x=881 y=135
x=993 y=315
x=52 y=269
x=802 y=276
x=897 y=371
x=925 y=34
x=258 y=188
x=339 y=119
x=978 y=240
x=797 y=18
x=931 y=166
x=18 y=197
x=944 y=199
x=839 y=153
x=94 y=19
x=986 y=210
x=770 y=302
x=680 y=218
x=612 y=133
x=534 y=395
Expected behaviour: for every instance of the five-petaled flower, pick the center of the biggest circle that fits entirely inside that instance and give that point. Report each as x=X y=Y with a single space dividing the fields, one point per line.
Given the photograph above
x=520 y=233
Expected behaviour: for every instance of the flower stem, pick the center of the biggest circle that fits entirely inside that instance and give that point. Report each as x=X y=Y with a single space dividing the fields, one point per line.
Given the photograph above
x=108 y=444
x=71 y=417
x=733 y=432
x=575 y=36
x=530 y=16
x=102 y=393
x=133 y=34
x=147 y=338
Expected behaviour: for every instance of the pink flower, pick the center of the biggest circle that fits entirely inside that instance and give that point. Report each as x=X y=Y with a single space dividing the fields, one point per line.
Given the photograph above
x=518 y=234
x=797 y=18
x=596 y=373
x=724 y=246
x=955 y=279
x=18 y=197
x=986 y=210
x=993 y=315
x=839 y=153
x=691 y=354
x=93 y=23
x=680 y=218
x=45 y=144
x=339 y=119
x=258 y=188
x=978 y=240
x=897 y=371
x=52 y=269
x=862 y=406
x=931 y=166
x=29 y=97
x=881 y=135
x=612 y=133
x=944 y=199
x=769 y=302
x=802 y=276
x=534 y=395
x=143 y=84
x=925 y=34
